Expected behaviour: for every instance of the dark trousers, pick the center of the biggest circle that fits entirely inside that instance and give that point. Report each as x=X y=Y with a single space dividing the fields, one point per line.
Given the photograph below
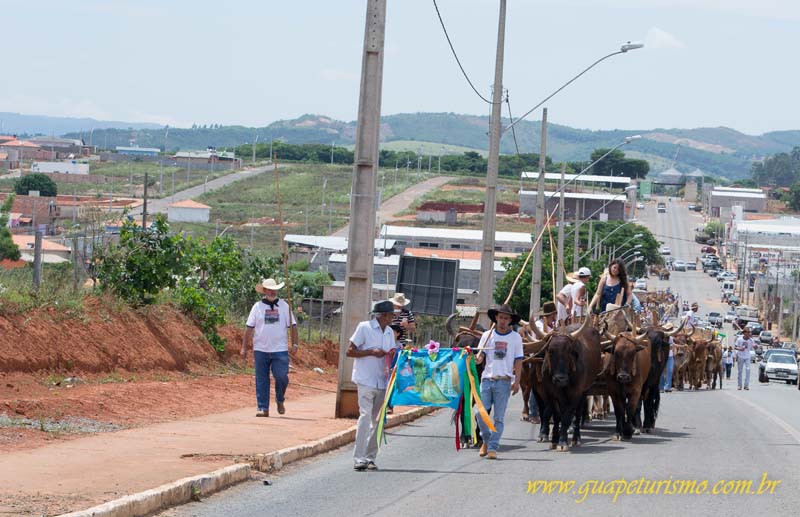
x=278 y=362
x=728 y=368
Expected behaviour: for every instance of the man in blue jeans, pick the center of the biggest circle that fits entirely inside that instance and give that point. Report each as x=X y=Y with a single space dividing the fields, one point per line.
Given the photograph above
x=501 y=348
x=269 y=326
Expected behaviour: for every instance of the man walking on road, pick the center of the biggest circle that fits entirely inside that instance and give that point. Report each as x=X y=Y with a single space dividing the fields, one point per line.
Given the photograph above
x=503 y=356
x=268 y=327
x=369 y=345
x=743 y=346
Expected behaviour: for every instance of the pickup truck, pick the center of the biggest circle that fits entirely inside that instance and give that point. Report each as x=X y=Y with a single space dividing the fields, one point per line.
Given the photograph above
x=745 y=315
x=662 y=208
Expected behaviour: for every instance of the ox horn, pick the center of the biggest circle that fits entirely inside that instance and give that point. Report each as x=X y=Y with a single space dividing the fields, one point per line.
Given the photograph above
x=675 y=331
x=535 y=329
x=691 y=333
x=586 y=322
x=639 y=338
x=611 y=337
x=448 y=325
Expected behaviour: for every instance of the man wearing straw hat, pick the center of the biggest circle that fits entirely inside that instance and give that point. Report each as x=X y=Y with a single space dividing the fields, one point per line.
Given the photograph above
x=267 y=333
x=369 y=346
x=403 y=316
x=501 y=348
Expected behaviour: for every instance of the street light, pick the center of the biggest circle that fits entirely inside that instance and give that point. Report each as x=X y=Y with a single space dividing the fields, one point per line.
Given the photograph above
x=615 y=230
x=637 y=236
x=623 y=49
x=633 y=261
x=628 y=254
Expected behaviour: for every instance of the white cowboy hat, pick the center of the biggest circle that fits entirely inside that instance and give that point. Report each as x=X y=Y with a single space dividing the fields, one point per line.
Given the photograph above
x=400 y=299
x=270 y=284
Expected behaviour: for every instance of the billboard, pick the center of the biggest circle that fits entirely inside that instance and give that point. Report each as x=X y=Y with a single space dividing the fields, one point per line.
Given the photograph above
x=430 y=283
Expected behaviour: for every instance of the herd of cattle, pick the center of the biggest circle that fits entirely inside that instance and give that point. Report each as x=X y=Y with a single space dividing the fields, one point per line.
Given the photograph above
x=573 y=370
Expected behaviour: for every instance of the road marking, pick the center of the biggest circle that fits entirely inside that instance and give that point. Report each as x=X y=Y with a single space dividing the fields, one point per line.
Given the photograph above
x=794 y=433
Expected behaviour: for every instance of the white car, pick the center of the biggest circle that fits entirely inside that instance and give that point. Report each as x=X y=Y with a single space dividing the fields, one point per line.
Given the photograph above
x=782 y=367
x=665 y=250
x=640 y=284
x=640 y=206
x=679 y=265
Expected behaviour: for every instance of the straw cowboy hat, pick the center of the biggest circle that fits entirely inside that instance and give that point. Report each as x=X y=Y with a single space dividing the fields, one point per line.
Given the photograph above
x=270 y=284
x=400 y=299
x=505 y=309
x=547 y=309
x=668 y=326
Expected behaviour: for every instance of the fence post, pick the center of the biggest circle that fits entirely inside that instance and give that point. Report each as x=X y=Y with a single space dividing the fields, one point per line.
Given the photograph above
x=321 y=317
x=37 y=260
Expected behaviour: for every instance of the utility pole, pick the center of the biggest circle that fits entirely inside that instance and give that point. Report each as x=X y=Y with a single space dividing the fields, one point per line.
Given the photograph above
x=536 y=278
x=144 y=208
x=576 y=232
x=486 y=279
x=37 y=260
x=591 y=231
x=361 y=234
x=561 y=221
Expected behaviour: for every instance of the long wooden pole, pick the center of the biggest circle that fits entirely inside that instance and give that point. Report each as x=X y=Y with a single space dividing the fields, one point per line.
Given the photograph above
x=283 y=241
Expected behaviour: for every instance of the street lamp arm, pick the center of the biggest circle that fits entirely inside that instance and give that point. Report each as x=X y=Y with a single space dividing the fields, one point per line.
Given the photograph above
x=513 y=123
x=615 y=230
x=628 y=139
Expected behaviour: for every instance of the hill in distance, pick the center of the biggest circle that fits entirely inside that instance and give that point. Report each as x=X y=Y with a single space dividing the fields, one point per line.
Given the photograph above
x=17 y=123
x=721 y=151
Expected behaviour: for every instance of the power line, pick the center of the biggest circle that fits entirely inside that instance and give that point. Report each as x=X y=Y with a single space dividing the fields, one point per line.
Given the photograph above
x=447 y=36
x=511 y=119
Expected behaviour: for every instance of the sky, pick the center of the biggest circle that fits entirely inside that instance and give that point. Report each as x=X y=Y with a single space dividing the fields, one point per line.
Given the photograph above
x=706 y=63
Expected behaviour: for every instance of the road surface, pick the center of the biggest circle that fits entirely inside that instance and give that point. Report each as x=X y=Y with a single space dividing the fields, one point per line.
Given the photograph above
x=705 y=436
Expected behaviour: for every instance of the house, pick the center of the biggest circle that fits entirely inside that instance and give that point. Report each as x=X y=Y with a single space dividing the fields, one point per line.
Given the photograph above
x=34 y=210
x=222 y=158
x=27 y=150
x=188 y=211
x=9 y=160
x=139 y=151
x=52 y=252
x=61 y=147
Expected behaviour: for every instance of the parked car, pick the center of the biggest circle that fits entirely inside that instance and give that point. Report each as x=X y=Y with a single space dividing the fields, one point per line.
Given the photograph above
x=665 y=250
x=766 y=337
x=640 y=284
x=755 y=328
x=640 y=206
x=715 y=319
x=762 y=376
x=679 y=265
x=712 y=272
x=662 y=208
x=691 y=207
x=733 y=300
x=708 y=249
x=782 y=367
x=691 y=266
x=730 y=317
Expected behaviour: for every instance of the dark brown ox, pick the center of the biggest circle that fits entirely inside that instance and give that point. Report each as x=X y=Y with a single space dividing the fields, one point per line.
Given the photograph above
x=651 y=397
x=625 y=376
x=714 y=365
x=682 y=354
x=571 y=363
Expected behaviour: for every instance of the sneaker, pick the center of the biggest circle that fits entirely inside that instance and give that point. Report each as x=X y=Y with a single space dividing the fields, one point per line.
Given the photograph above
x=747 y=388
x=371 y=466
x=739 y=388
x=281 y=408
x=360 y=466
x=263 y=413
x=492 y=455
x=483 y=450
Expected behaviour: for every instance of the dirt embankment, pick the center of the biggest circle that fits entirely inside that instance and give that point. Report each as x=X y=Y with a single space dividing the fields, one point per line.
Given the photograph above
x=103 y=338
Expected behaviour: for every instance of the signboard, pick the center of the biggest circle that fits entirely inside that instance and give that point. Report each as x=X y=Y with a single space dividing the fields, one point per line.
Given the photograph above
x=430 y=283
x=646 y=189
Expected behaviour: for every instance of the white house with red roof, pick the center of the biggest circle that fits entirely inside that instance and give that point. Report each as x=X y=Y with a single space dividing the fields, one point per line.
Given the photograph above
x=188 y=211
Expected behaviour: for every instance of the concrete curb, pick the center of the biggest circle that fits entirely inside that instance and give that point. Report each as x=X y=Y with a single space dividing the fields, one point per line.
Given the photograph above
x=186 y=489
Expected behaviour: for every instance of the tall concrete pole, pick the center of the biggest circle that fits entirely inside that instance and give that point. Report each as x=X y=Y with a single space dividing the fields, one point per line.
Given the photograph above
x=591 y=231
x=486 y=279
x=536 y=277
x=358 y=279
x=576 y=232
x=561 y=222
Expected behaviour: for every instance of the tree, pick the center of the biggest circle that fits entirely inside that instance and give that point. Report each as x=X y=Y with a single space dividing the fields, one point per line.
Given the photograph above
x=782 y=169
x=8 y=250
x=40 y=182
x=617 y=165
x=794 y=196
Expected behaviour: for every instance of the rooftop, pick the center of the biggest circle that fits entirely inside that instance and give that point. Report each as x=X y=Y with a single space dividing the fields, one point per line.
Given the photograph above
x=737 y=189
x=739 y=194
x=24 y=242
x=579 y=195
x=140 y=149
x=584 y=178
x=19 y=143
x=394 y=260
x=188 y=203
x=780 y=226
x=453 y=254
x=398 y=232
x=329 y=242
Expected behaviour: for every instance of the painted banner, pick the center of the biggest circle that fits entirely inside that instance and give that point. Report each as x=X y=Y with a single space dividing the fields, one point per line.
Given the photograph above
x=430 y=379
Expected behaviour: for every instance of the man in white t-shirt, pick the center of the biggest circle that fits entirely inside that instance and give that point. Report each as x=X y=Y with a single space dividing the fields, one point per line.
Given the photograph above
x=691 y=316
x=743 y=346
x=578 y=293
x=370 y=345
x=269 y=326
x=564 y=302
x=501 y=348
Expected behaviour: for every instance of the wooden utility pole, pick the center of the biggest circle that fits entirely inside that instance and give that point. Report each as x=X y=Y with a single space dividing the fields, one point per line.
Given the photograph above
x=561 y=222
x=37 y=260
x=536 y=277
x=144 y=208
x=361 y=234
x=486 y=279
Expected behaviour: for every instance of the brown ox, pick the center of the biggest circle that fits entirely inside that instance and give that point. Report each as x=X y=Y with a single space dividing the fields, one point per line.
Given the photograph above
x=699 y=364
x=714 y=365
x=682 y=355
x=571 y=363
x=627 y=372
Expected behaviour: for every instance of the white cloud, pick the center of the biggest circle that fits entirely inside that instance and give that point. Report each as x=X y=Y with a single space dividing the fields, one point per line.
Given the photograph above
x=659 y=39
x=334 y=75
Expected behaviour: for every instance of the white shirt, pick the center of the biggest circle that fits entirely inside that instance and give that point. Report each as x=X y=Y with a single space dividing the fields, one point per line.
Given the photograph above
x=504 y=349
x=271 y=326
x=561 y=309
x=743 y=348
x=577 y=310
x=541 y=326
x=727 y=357
x=690 y=319
x=371 y=371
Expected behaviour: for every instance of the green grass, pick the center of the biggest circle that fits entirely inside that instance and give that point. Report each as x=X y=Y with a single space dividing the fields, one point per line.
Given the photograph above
x=429 y=148
x=301 y=188
x=507 y=192
x=18 y=296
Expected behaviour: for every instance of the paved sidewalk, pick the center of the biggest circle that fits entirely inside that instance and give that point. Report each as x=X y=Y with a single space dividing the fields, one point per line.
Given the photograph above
x=77 y=474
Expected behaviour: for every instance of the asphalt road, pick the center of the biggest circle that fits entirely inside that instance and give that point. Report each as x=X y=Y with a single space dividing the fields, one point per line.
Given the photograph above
x=709 y=436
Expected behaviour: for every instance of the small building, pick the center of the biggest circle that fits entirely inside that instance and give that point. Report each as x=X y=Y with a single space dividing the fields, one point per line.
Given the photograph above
x=222 y=158
x=188 y=211
x=34 y=210
x=722 y=199
x=9 y=160
x=453 y=239
x=26 y=150
x=583 y=205
x=61 y=147
x=139 y=151
x=555 y=177
x=52 y=252
x=65 y=167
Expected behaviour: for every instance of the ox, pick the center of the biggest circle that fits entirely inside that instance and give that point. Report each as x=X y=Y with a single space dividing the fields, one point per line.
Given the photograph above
x=651 y=397
x=714 y=365
x=628 y=367
x=570 y=365
x=682 y=355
